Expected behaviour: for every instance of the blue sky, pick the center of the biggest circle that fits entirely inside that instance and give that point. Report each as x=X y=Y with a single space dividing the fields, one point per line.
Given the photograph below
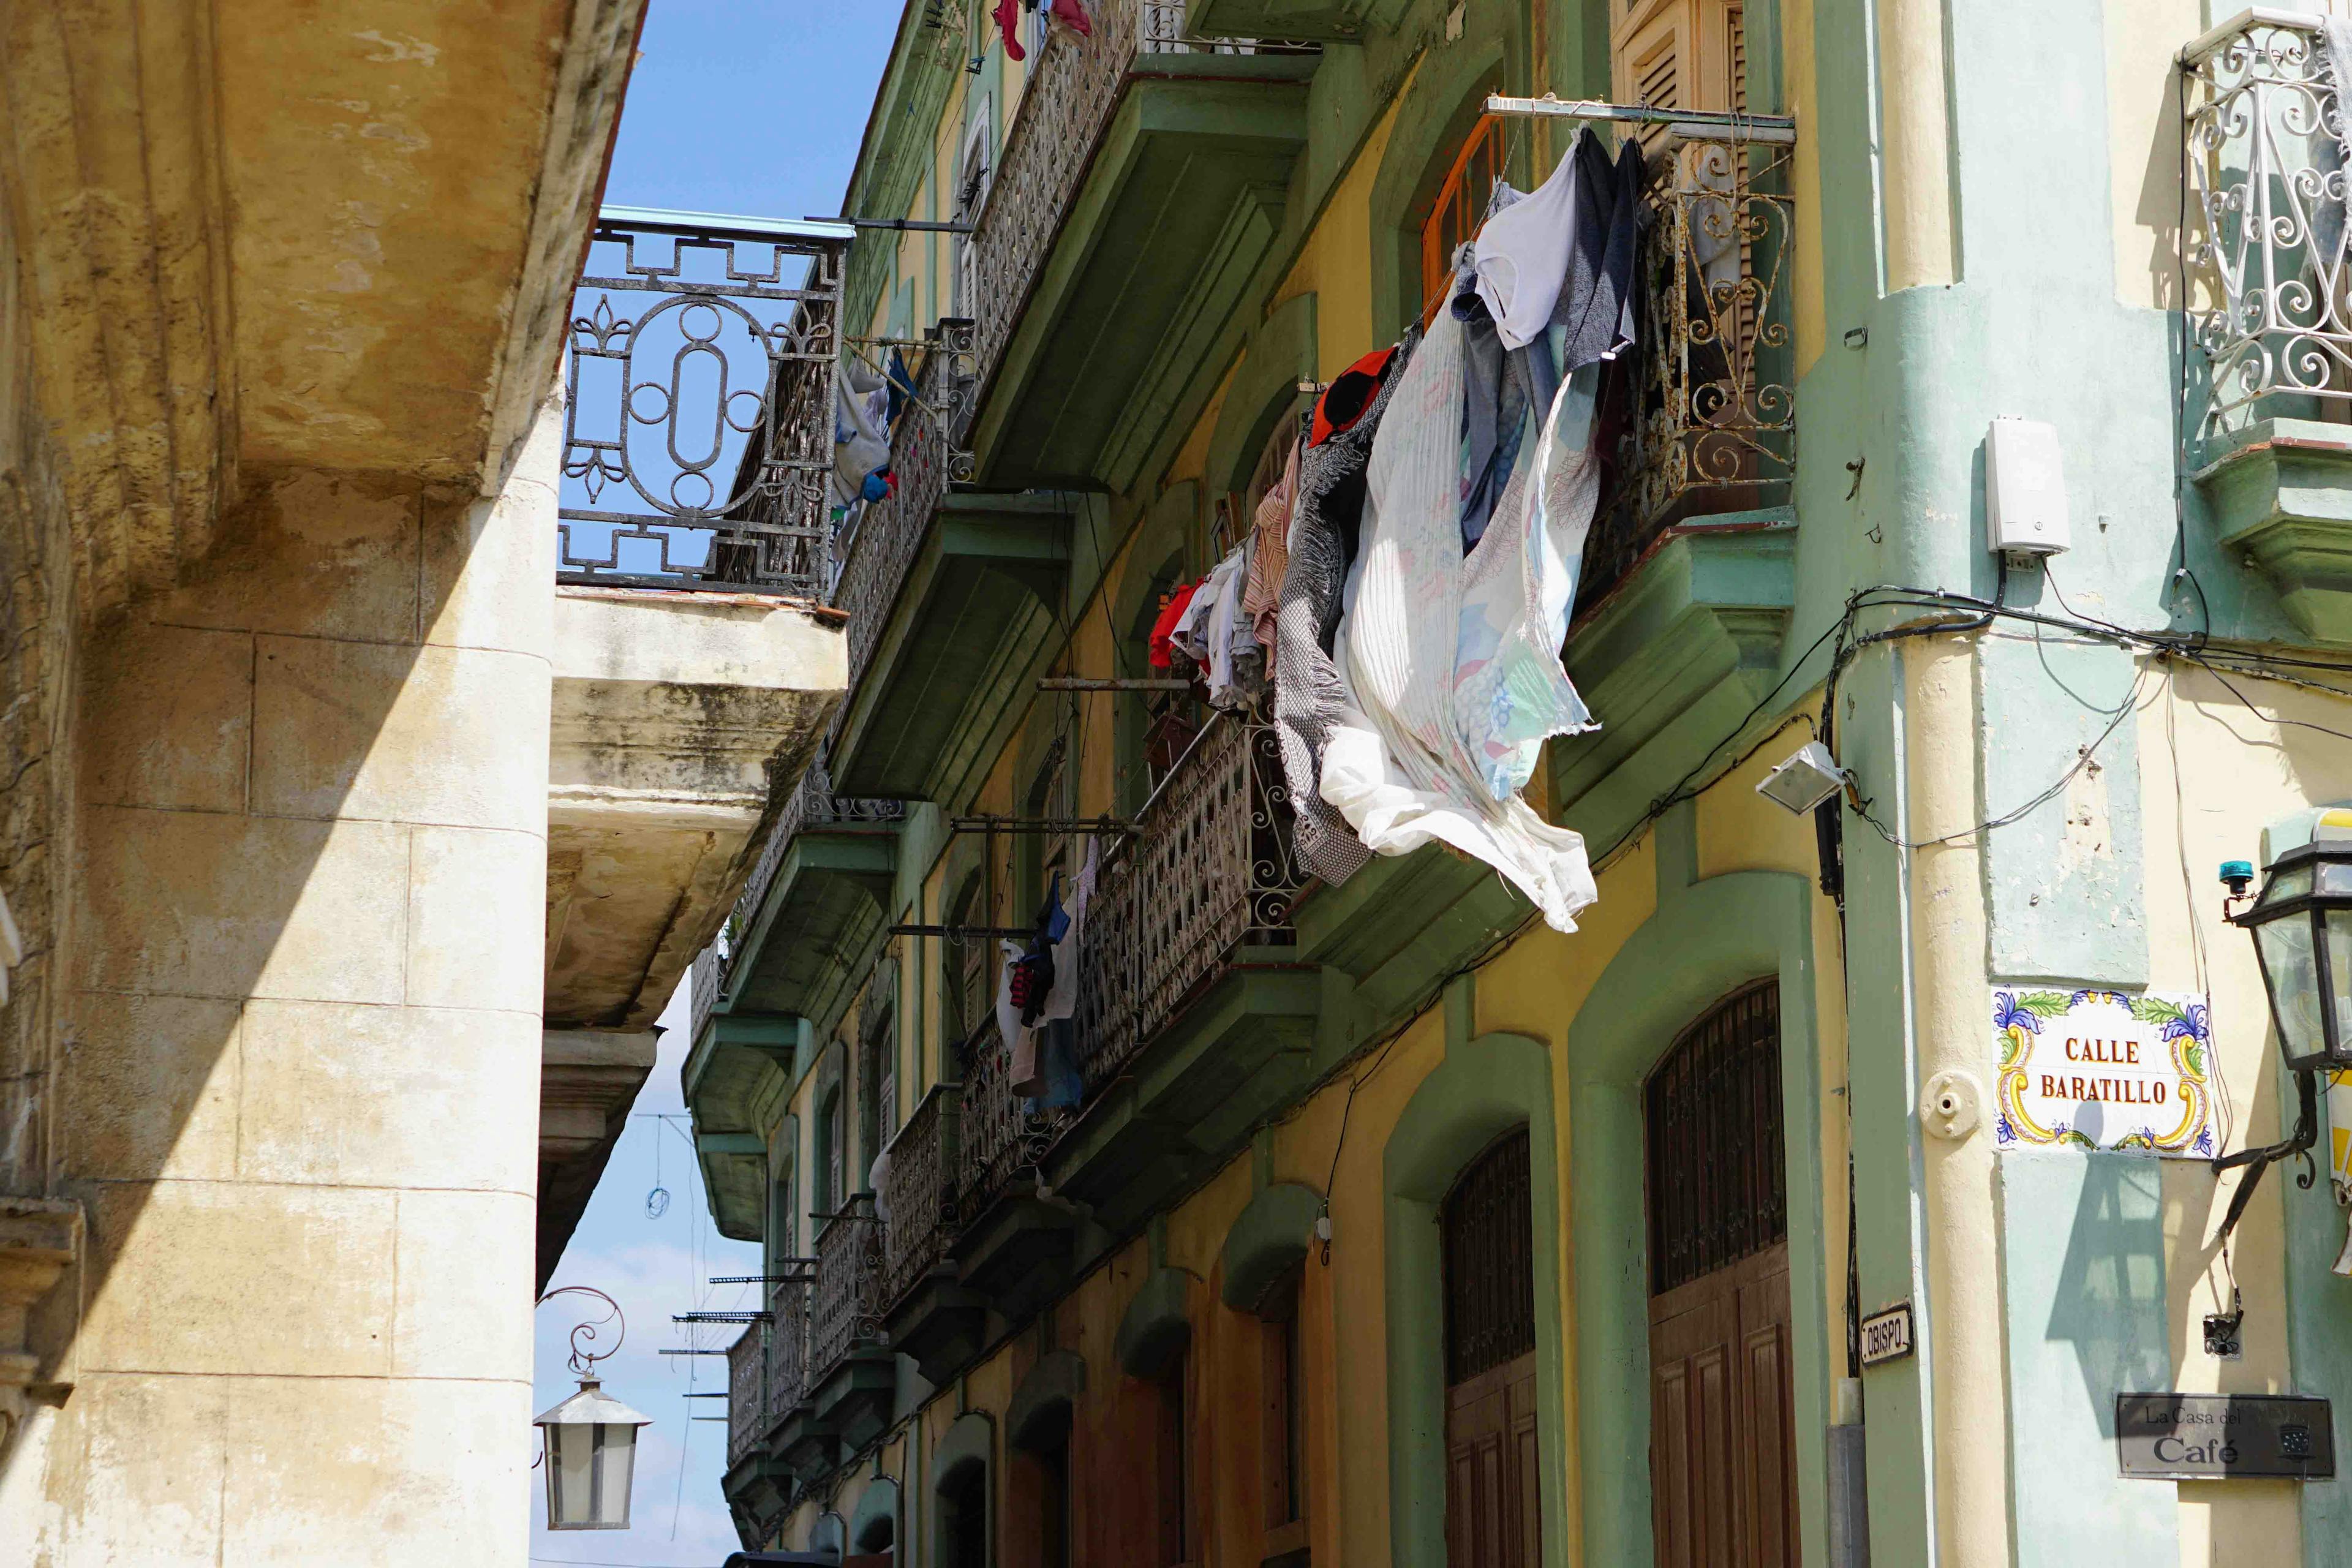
x=751 y=108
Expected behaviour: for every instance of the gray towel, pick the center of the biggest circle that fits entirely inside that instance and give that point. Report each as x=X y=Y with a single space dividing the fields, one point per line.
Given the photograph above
x=1309 y=695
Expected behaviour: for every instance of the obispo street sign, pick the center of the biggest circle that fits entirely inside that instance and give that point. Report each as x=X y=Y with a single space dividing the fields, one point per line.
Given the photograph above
x=2221 y=1437
x=1886 y=1336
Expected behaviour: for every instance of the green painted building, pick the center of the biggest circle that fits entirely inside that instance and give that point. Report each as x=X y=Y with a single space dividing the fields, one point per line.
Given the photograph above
x=1833 y=1181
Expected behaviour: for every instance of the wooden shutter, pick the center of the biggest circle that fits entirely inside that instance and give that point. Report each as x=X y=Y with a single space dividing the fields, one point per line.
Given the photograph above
x=1679 y=54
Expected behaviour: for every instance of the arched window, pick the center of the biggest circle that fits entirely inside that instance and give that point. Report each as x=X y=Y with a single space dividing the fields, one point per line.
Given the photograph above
x=973 y=177
x=831 y=1160
x=963 y=1531
x=878 y=1064
x=965 y=984
x=1461 y=203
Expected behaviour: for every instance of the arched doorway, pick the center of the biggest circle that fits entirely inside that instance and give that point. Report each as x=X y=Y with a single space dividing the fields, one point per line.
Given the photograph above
x=1493 y=1512
x=1722 y=1436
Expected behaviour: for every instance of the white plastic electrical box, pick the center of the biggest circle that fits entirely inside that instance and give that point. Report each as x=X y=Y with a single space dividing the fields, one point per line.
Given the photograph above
x=2025 y=489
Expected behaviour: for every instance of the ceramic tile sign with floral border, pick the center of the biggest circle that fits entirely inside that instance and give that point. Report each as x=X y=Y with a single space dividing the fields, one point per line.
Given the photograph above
x=2103 y=1069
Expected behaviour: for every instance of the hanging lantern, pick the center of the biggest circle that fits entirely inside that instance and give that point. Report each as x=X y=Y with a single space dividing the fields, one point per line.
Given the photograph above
x=591 y=1451
x=2302 y=926
x=591 y=1440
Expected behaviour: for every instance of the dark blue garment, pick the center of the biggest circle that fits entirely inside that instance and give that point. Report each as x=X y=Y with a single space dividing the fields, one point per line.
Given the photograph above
x=901 y=382
x=1057 y=1064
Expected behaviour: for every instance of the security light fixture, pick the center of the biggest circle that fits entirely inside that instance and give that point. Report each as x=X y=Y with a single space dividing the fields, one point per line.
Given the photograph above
x=590 y=1439
x=1810 y=776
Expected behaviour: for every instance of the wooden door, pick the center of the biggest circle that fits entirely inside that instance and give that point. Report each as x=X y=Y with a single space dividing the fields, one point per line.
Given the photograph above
x=1722 y=1436
x=1492 y=1515
x=1493 y=1506
x=1722 y=1441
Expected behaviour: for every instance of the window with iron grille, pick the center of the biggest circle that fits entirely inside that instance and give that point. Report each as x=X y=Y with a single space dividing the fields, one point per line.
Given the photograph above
x=1717 y=1193
x=1488 y=1238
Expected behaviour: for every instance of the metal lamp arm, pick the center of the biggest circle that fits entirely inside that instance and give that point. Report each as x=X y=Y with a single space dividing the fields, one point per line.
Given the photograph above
x=2306 y=1133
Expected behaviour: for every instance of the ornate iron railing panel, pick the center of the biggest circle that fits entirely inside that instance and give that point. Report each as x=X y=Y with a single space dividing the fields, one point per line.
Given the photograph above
x=918 y=1191
x=879 y=546
x=1713 y=415
x=999 y=1133
x=747 y=1394
x=2270 y=300
x=787 y=1349
x=848 y=1309
x=810 y=804
x=699 y=430
x=1211 y=865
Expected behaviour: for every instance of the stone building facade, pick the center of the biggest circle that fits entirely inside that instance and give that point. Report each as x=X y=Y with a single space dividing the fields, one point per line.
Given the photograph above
x=301 y=734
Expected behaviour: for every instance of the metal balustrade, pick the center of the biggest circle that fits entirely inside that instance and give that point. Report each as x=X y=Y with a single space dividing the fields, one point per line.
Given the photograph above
x=875 y=551
x=1210 y=867
x=811 y=804
x=746 y=1395
x=918 y=1191
x=787 y=1349
x=2270 y=295
x=1711 y=418
x=849 y=1307
x=999 y=1133
x=699 y=414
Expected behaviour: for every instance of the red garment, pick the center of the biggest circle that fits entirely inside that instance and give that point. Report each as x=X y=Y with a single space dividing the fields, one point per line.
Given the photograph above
x=1008 y=22
x=1344 y=401
x=1074 y=16
x=1163 y=654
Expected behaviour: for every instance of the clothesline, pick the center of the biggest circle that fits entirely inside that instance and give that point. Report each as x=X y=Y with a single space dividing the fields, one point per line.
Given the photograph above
x=1778 y=129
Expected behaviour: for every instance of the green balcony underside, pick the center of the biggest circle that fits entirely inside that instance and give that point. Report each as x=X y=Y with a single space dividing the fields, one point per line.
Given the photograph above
x=1182 y=205
x=953 y=663
x=830 y=879
x=1671 y=664
x=757 y=1485
x=735 y=1063
x=1243 y=1050
x=854 y=1399
x=2281 y=493
x=1303 y=19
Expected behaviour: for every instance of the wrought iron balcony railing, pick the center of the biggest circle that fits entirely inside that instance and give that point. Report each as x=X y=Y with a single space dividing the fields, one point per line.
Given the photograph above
x=2270 y=293
x=918 y=1191
x=747 y=1390
x=999 y=1133
x=787 y=1350
x=1073 y=89
x=848 y=1309
x=876 y=550
x=1713 y=425
x=811 y=804
x=1210 y=868
x=699 y=416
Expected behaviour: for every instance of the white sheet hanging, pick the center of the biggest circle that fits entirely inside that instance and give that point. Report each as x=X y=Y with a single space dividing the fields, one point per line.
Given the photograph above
x=1452 y=684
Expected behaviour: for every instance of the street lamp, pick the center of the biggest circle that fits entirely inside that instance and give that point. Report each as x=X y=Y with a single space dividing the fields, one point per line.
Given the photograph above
x=590 y=1439
x=2301 y=927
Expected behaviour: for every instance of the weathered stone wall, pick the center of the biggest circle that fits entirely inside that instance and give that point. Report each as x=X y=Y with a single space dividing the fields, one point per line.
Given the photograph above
x=37 y=623
x=302 y=1003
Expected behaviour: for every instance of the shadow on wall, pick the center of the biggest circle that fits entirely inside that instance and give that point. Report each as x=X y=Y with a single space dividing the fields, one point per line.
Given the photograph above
x=2109 y=1303
x=311 y=816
